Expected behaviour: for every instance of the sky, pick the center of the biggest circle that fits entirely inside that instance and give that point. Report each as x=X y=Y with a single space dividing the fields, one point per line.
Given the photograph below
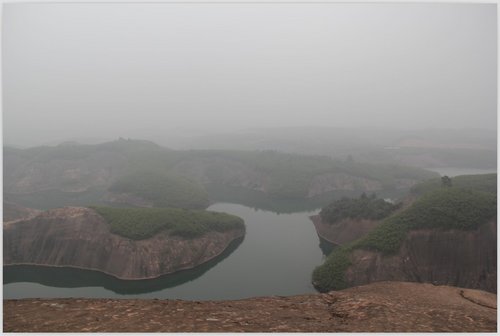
x=110 y=70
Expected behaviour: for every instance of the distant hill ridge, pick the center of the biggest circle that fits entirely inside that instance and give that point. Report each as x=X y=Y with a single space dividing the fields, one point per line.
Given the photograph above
x=90 y=170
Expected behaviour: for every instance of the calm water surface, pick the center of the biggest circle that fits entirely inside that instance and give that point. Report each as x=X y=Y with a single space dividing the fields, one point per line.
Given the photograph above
x=453 y=171
x=276 y=257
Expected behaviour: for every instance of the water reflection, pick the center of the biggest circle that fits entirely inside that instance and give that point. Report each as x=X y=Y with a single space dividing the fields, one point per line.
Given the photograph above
x=326 y=247
x=68 y=277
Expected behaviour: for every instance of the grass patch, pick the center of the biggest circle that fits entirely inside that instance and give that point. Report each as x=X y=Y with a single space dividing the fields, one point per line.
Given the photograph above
x=142 y=223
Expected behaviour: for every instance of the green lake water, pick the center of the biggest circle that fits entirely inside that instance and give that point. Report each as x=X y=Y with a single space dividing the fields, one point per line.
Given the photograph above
x=276 y=257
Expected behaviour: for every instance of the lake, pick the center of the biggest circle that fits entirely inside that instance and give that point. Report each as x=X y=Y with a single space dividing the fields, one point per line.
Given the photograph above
x=276 y=257
x=453 y=171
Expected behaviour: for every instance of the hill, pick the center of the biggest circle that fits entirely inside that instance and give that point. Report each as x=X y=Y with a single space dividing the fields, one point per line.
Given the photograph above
x=409 y=245
x=78 y=175
x=160 y=189
x=480 y=182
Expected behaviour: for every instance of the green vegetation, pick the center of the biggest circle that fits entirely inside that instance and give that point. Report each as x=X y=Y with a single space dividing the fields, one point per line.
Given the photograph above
x=281 y=175
x=163 y=189
x=363 y=207
x=142 y=223
x=289 y=175
x=482 y=182
x=330 y=275
x=443 y=208
x=54 y=198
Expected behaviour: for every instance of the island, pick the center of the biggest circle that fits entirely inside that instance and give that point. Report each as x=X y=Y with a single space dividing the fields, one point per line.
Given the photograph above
x=127 y=243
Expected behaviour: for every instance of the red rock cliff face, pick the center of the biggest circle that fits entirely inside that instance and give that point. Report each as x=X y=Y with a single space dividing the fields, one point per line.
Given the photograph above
x=454 y=257
x=79 y=237
x=345 y=230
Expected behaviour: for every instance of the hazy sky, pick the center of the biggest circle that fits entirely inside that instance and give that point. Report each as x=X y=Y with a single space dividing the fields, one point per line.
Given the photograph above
x=103 y=70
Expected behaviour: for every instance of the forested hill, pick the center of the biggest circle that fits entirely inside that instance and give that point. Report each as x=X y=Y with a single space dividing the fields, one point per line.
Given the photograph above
x=88 y=171
x=447 y=236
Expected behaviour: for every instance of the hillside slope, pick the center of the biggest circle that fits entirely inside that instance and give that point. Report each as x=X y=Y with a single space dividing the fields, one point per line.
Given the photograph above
x=448 y=236
x=48 y=177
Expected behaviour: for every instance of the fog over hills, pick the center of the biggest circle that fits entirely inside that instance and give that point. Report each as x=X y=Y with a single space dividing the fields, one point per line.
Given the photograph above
x=467 y=148
x=103 y=71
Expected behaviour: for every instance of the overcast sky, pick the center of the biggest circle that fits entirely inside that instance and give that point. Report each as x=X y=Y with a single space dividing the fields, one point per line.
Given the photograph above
x=104 y=70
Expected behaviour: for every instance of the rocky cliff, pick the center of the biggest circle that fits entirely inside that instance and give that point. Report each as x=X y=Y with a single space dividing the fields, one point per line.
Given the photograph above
x=344 y=231
x=444 y=257
x=79 y=237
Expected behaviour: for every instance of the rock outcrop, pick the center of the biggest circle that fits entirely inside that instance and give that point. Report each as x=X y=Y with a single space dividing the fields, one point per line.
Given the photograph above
x=444 y=257
x=378 y=307
x=344 y=231
x=347 y=230
x=79 y=237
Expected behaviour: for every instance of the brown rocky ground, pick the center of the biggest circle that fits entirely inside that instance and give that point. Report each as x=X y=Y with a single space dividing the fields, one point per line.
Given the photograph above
x=378 y=307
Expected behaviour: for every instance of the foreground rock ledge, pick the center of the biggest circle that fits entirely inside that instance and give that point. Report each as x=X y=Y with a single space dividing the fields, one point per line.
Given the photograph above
x=378 y=307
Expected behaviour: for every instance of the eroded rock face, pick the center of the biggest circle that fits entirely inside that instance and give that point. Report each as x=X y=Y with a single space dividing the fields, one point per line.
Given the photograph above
x=344 y=231
x=79 y=237
x=453 y=257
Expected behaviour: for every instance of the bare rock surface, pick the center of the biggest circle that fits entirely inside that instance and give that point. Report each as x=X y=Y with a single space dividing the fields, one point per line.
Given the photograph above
x=344 y=231
x=378 y=307
x=79 y=237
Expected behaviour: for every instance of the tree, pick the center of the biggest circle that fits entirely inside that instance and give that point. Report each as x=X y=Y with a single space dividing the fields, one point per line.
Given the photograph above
x=446 y=181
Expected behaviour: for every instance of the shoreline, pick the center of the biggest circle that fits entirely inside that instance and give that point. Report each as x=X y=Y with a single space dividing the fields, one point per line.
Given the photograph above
x=316 y=219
